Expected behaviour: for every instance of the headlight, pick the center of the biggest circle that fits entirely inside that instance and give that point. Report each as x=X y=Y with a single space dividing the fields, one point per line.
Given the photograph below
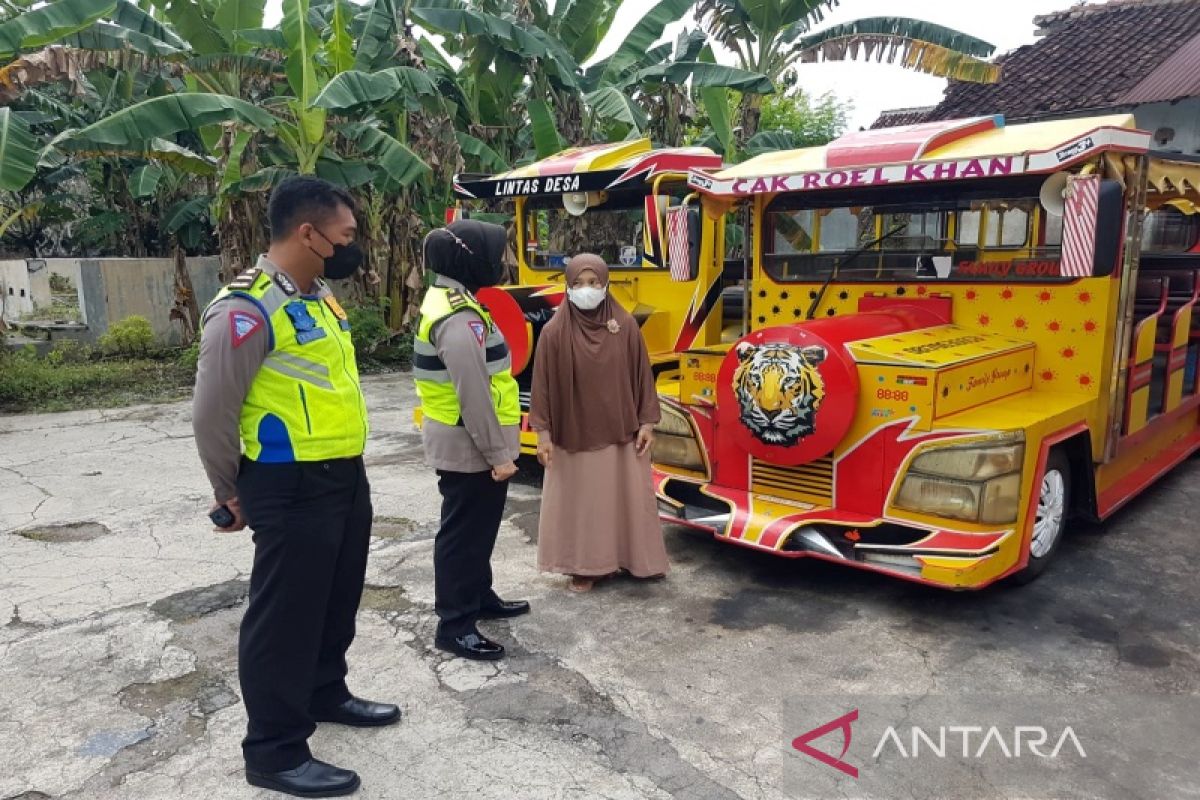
x=971 y=463
x=673 y=423
x=677 y=451
x=675 y=443
x=977 y=483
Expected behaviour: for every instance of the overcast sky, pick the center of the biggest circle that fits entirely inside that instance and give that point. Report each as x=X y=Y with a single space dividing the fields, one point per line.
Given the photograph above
x=872 y=87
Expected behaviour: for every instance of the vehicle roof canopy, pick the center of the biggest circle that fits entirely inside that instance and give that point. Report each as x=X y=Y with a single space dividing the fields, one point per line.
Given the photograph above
x=978 y=147
x=602 y=167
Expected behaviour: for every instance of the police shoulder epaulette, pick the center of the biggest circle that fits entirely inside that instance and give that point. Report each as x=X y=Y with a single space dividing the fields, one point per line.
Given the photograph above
x=285 y=283
x=246 y=279
x=457 y=299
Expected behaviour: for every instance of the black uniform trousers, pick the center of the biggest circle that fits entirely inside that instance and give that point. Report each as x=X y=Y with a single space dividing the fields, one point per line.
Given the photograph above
x=472 y=508
x=312 y=530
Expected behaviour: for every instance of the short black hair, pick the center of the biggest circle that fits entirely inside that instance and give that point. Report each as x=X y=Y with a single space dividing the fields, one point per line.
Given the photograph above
x=304 y=198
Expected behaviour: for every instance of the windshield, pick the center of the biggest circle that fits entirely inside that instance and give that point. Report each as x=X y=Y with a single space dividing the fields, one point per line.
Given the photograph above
x=1002 y=238
x=551 y=235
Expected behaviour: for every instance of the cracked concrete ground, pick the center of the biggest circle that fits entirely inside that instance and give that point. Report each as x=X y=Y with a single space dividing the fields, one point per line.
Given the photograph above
x=119 y=610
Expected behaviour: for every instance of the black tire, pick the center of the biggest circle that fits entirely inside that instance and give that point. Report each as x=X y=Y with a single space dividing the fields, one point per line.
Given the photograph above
x=1054 y=506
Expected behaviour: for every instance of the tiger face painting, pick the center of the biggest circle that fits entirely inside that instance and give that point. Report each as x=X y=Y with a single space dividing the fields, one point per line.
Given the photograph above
x=779 y=390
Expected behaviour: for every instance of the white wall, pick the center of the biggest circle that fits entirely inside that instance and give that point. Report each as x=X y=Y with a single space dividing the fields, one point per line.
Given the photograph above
x=16 y=290
x=1183 y=117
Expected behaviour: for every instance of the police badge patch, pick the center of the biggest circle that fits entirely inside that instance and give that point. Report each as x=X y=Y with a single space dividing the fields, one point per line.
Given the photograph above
x=242 y=326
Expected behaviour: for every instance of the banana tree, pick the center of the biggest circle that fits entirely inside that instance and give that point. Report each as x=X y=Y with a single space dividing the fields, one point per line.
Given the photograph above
x=773 y=37
x=291 y=132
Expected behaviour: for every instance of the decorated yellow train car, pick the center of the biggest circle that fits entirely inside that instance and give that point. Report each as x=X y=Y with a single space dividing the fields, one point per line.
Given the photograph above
x=629 y=203
x=962 y=335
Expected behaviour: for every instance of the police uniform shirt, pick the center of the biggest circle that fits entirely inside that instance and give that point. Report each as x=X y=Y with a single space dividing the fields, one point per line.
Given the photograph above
x=234 y=343
x=481 y=442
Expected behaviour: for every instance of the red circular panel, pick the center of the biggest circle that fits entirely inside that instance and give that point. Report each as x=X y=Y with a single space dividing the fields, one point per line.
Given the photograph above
x=786 y=395
x=510 y=319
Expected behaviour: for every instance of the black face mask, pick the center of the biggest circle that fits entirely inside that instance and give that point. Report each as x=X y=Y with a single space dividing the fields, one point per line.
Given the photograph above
x=345 y=260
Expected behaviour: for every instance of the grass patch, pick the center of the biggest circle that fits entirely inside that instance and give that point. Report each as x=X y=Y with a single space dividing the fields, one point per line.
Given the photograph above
x=31 y=384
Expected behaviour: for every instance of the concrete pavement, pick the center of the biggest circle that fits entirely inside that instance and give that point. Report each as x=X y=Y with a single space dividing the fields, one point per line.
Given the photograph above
x=119 y=610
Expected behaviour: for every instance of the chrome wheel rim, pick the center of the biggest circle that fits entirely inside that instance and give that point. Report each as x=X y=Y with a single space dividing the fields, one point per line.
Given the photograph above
x=1047 y=525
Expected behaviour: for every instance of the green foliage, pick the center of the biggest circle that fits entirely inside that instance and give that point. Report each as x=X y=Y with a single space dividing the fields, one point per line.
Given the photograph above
x=71 y=378
x=810 y=121
x=376 y=347
x=131 y=336
x=189 y=357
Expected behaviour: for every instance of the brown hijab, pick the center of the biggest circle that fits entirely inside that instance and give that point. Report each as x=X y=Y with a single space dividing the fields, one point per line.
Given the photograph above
x=592 y=382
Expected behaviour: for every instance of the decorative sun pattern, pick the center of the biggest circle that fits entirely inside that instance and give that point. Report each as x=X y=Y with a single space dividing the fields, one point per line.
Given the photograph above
x=1065 y=325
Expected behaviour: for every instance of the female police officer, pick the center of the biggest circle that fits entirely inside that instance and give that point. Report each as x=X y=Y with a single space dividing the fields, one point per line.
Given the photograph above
x=471 y=416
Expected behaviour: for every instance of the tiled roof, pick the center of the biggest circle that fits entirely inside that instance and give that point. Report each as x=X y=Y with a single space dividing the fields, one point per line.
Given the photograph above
x=894 y=117
x=1092 y=57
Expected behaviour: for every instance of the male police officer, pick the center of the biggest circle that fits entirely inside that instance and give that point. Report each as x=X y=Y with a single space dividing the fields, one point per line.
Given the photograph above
x=277 y=371
x=471 y=409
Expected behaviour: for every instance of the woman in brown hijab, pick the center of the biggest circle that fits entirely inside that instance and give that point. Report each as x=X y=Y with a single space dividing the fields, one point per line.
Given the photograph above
x=594 y=408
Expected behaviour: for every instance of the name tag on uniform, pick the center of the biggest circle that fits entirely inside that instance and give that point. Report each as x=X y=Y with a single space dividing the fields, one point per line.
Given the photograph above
x=303 y=322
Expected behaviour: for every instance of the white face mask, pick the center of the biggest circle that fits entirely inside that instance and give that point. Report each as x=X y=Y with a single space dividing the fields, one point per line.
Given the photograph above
x=587 y=298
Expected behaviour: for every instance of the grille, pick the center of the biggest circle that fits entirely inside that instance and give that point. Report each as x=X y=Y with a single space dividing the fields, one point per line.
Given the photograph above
x=808 y=483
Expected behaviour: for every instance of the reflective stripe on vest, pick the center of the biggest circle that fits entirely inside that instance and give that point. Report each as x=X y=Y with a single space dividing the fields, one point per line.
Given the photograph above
x=305 y=402
x=439 y=401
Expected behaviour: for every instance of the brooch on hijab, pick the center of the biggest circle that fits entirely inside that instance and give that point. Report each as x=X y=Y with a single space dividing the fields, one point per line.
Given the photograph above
x=614 y=326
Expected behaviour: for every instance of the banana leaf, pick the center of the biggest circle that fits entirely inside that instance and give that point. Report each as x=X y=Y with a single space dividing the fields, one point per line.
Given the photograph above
x=645 y=33
x=703 y=74
x=268 y=38
x=487 y=158
x=582 y=24
x=106 y=36
x=166 y=116
x=18 y=152
x=400 y=163
x=546 y=141
x=193 y=22
x=611 y=103
x=48 y=24
x=339 y=46
x=375 y=38
x=129 y=16
x=144 y=180
x=236 y=15
x=353 y=89
x=716 y=104
x=303 y=46
x=917 y=45
x=185 y=212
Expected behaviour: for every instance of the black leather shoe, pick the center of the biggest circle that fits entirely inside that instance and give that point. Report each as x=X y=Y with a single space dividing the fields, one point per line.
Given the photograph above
x=504 y=609
x=472 y=646
x=360 y=713
x=311 y=779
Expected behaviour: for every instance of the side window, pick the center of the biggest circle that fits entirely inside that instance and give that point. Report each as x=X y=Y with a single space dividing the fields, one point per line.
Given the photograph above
x=1052 y=236
x=968 y=228
x=1007 y=227
x=1168 y=230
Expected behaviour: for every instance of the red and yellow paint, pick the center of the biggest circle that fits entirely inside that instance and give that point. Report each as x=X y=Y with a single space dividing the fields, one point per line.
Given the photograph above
x=905 y=368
